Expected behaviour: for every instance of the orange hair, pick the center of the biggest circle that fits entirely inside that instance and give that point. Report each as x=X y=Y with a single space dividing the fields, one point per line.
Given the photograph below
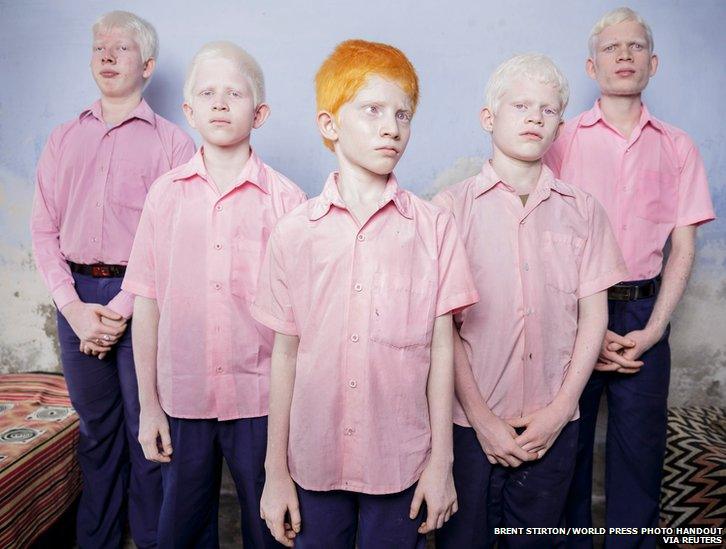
x=347 y=69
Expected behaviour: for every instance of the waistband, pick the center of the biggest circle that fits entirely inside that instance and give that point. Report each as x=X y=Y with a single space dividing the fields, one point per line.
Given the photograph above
x=634 y=290
x=98 y=270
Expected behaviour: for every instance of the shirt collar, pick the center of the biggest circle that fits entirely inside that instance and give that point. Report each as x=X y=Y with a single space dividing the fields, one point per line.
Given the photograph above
x=488 y=179
x=252 y=172
x=330 y=196
x=594 y=115
x=142 y=111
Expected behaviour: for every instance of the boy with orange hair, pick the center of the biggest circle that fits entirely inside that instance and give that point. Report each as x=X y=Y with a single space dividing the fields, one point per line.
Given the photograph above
x=360 y=283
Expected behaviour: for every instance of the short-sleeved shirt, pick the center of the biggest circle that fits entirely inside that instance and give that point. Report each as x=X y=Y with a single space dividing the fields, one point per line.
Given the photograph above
x=648 y=184
x=197 y=253
x=531 y=264
x=91 y=184
x=363 y=300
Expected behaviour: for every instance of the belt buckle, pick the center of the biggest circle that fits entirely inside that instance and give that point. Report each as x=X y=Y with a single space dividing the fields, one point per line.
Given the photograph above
x=100 y=271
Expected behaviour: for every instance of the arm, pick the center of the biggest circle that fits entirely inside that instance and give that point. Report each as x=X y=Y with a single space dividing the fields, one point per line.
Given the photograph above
x=436 y=485
x=495 y=435
x=675 y=278
x=153 y=424
x=279 y=496
x=544 y=426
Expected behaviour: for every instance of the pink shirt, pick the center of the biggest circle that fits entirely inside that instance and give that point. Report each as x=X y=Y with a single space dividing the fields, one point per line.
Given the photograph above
x=197 y=253
x=531 y=264
x=362 y=299
x=648 y=184
x=91 y=184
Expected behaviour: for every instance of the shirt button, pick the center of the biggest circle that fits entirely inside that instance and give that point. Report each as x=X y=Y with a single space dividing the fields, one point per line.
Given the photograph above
x=522 y=222
x=217 y=246
x=98 y=204
x=352 y=384
x=625 y=227
x=217 y=286
x=349 y=431
x=526 y=266
x=528 y=311
x=354 y=338
x=220 y=369
x=94 y=239
x=358 y=287
x=218 y=207
x=361 y=237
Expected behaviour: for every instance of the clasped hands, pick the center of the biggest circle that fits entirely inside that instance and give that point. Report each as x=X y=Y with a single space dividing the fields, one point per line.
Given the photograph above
x=621 y=353
x=98 y=328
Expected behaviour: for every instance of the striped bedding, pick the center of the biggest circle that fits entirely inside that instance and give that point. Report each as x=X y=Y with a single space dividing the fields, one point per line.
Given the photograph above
x=39 y=474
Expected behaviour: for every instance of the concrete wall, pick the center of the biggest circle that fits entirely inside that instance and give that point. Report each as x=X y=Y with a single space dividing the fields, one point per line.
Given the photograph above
x=44 y=66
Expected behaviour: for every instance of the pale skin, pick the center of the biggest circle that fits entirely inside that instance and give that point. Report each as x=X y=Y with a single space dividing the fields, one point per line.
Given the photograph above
x=222 y=109
x=369 y=134
x=623 y=64
x=120 y=74
x=526 y=122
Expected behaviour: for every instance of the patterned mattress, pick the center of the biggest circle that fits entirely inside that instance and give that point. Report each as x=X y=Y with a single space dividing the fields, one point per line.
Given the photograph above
x=39 y=474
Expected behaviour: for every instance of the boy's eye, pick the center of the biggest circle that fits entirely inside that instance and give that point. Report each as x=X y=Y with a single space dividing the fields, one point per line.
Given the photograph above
x=637 y=47
x=404 y=116
x=519 y=106
x=609 y=48
x=124 y=48
x=235 y=93
x=205 y=93
x=549 y=111
x=372 y=109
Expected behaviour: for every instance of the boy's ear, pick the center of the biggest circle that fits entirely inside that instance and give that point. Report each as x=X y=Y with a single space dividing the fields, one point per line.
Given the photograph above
x=590 y=68
x=486 y=117
x=559 y=129
x=149 y=67
x=261 y=114
x=653 y=64
x=327 y=126
x=188 y=114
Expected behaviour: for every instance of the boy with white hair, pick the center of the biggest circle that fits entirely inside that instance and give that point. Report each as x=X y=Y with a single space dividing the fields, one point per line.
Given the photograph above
x=92 y=180
x=203 y=363
x=542 y=254
x=651 y=181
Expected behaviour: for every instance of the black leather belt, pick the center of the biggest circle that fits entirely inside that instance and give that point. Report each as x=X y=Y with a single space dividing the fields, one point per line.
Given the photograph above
x=98 y=270
x=630 y=291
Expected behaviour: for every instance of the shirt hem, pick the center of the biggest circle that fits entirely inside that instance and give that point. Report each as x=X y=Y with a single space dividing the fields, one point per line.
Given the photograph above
x=274 y=323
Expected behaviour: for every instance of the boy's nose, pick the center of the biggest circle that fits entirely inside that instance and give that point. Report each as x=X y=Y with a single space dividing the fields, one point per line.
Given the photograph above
x=624 y=54
x=535 y=117
x=389 y=128
x=108 y=58
x=219 y=106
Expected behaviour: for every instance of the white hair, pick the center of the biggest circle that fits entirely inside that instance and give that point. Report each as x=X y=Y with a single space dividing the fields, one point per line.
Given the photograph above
x=250 y=69
x=530 y=66
x=146 y=36
x=614 y=17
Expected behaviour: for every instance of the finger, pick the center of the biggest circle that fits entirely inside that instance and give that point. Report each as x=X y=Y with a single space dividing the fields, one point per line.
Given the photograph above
x=108 y=313
x=289 y=532
x=455 y=507
x=491 y=459
x=101 y=356
x=512 y=461
x=295 y=516
x=165 y=438
x=416 y=503
x=519 y=421
x=447 y=516
x=440 y=521
x=628 y=371
x=612 y=337
x=612 y=346
x=607 y=366
x=502 y=462
x=622 y=360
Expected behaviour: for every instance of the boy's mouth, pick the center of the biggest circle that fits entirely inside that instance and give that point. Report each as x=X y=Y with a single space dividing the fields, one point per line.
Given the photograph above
x=625 y=72
x=108 y=74
x=531 y=135
x=219 y=122
x=388 y=151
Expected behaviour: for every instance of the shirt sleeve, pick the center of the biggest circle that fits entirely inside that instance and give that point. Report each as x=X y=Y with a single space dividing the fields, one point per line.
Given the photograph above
x=602 y=261
x=184 y=149
x=140 y=277
x=694 y=200
x=45 y=228
x=272 y=305
x=456 y=286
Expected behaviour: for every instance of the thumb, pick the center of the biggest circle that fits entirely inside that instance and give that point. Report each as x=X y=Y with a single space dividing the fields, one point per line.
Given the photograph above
x=416 y=503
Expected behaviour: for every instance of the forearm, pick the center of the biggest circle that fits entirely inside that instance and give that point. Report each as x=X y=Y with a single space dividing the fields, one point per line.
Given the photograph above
x=282 y=382
x=440 y=390
x=675 y=278
x=145 y=342
x=591 y=327
x=122 y=303
x=467 y=391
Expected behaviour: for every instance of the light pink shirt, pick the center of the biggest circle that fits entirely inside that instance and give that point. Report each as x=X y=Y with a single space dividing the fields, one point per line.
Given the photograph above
x=363 y=300
x=197 y=253
x=648 y=184
x=531 y=264
x=91 y=184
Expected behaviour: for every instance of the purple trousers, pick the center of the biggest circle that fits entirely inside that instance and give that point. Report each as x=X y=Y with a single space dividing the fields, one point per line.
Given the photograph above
x=492 y=496
x=332 y=520
x=117 y=480
x=192 y=478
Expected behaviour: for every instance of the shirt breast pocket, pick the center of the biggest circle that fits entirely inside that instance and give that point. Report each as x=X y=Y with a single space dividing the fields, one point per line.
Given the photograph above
x=656 y=197
x=246 y=261
x=129 y=185
x=402 y=310
x=562 y=255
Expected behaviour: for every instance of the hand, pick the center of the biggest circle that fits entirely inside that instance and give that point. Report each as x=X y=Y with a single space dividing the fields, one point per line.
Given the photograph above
x=542 y=428
x=279 y=499
x=86 y=321
x=436 y=488
x=612 y=358
x=642 y=341
x=497 y=440
x=154 y=434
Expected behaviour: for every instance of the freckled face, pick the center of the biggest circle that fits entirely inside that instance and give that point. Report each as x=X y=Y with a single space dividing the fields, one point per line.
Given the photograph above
x=116 y=63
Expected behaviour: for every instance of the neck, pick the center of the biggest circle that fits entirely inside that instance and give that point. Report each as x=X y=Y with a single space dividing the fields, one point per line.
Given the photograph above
x=117 y=109
x=620 y=111
x=522 y=175
x=224 y=164
x=358 y=185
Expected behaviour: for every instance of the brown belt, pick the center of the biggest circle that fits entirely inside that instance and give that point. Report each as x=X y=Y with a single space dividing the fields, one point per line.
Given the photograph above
x=98 y=270
x=630 y=292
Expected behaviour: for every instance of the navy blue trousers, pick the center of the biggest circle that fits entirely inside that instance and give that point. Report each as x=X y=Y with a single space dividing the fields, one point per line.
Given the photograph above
x=492 y=496
x=331 y=520
x=192 y=478
x=636 y=437
x=105 y=395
